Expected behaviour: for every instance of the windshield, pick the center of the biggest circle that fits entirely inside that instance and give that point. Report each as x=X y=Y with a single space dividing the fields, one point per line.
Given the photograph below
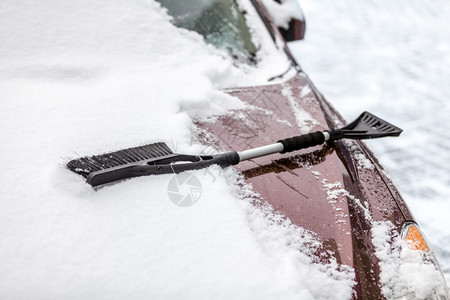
x=220 y=22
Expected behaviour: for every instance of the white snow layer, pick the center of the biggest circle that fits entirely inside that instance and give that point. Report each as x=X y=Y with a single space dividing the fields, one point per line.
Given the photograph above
x=392 y=58
x=282 y=13
x=305 y=121
x=404 y=272
x=86 y=77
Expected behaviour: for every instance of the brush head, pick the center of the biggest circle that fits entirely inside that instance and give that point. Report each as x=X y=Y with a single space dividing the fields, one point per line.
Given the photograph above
x=89 y=164
x=151 y=159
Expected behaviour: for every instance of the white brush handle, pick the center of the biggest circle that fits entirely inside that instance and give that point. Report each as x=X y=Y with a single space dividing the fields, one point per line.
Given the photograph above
x=286 y=145
x=260 y=151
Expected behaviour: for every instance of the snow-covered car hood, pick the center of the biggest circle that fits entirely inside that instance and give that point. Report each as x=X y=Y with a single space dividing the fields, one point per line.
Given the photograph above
x=84 y=78
x=338 y=194
x=81 y=78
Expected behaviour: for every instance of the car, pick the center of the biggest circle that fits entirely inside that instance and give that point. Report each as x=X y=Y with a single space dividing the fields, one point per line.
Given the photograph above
x=202 y=77
x=338 y=191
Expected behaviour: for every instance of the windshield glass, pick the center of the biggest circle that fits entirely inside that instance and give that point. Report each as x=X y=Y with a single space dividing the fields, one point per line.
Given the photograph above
x=220 y=22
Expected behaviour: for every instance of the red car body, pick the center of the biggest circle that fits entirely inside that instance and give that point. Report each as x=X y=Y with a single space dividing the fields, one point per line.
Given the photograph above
x=295 y=185
x=336 y=191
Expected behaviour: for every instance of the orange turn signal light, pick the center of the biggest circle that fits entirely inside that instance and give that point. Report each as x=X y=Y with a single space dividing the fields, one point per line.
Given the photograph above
x=415 y=239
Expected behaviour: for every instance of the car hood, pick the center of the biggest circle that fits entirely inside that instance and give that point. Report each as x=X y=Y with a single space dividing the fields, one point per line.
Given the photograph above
x=337 y=191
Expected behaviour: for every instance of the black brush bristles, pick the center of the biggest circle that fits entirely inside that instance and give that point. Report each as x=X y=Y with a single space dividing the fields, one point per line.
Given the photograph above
x=86 y=165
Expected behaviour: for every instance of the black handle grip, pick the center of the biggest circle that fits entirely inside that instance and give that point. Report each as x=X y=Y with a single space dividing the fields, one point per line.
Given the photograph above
x=302 y=141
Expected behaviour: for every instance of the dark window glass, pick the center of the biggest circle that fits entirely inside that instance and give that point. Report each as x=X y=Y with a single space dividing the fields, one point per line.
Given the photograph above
x=220 y=22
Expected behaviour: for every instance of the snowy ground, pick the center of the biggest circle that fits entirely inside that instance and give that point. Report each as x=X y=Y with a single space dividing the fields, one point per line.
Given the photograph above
x=392 y=58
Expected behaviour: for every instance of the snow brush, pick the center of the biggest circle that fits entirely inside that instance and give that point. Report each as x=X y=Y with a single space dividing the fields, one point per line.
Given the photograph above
x=154 y=159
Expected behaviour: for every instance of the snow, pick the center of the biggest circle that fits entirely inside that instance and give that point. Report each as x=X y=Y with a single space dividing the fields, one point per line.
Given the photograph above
x=304 y=120
x=404 y=271
x=391 y=58
x=282 y=13
x=335 y=190
x=82 y=78
x=361 y=160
